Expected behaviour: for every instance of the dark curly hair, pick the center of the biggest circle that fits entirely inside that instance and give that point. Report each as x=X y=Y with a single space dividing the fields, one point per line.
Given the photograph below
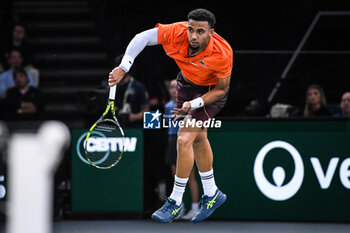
x=19 y=70
x=202 y=15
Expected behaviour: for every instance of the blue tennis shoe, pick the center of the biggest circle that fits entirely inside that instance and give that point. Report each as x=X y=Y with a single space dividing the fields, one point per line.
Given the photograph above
x=208 y=205
x=168 y=212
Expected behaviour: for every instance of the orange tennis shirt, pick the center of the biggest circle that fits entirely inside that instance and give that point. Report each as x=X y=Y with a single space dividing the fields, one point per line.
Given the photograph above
x=214 y=62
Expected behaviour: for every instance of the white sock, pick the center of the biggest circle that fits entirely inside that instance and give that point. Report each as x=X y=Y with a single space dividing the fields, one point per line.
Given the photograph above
x=179 y=189
x=208 y=182
x=195 y=206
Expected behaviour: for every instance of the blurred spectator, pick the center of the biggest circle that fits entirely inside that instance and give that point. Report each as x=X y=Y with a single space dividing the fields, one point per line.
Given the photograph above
x=6 y=16
x=315 y=102
x=171 y=154
x=6 y=79
x=132 y=99
x=18 y=41
x=254 y=108
x=23 y=100
x=159 y=95
x=2 y=59
x=344 y=105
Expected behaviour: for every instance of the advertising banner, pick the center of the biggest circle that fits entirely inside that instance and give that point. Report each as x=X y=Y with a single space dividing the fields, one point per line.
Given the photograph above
x=119 y=189
x=283 y=170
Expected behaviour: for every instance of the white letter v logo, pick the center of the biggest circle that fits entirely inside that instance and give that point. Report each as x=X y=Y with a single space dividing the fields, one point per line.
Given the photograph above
x=324 y=180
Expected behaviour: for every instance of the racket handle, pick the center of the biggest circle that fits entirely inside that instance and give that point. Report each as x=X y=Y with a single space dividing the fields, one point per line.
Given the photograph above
x=112 y=92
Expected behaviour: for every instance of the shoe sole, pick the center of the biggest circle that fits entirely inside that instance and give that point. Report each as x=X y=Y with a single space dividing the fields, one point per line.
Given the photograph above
x=155 y=218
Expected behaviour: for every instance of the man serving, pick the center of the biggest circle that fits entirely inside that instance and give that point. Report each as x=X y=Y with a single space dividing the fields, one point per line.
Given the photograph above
x=205 y=61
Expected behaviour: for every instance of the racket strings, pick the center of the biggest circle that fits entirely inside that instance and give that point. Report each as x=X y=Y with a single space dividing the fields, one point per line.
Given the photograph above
x=105 y=127
x=105 y=146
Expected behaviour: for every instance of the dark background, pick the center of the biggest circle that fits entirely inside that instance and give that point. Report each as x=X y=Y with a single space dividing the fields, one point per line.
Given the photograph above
x=262 y=34
x=246 y=25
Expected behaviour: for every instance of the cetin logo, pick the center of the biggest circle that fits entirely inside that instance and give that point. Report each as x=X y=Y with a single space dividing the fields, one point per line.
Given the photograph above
x=277 y=191
x=151 y=120
x=103 y=144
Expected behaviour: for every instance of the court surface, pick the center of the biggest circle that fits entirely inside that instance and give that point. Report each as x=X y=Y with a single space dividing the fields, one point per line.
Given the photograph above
x=145 y=226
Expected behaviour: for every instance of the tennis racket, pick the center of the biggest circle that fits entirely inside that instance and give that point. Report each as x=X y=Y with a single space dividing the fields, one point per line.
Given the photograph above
x=104 y=143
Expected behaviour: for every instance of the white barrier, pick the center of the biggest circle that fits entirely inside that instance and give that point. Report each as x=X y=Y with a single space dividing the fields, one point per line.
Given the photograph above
x=33 y=158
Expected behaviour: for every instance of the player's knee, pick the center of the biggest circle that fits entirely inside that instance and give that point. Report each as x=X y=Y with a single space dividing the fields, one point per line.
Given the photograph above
x=184 y=142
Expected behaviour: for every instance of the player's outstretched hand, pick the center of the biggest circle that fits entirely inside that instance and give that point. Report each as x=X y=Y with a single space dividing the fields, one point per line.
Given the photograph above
x=115 y=76
x=181 y=112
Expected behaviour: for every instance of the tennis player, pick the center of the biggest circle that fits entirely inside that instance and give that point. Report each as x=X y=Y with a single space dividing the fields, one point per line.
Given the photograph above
x=205 y=61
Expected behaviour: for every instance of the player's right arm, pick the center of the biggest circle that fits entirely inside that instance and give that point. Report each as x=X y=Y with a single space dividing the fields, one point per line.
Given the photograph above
x=136 y=45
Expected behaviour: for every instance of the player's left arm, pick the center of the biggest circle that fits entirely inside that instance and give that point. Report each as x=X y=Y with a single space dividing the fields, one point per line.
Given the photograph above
x=219 y=91
x=210 y=97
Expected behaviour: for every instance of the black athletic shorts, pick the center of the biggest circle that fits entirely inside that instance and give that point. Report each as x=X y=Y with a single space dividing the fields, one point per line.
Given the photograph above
x=187 y=92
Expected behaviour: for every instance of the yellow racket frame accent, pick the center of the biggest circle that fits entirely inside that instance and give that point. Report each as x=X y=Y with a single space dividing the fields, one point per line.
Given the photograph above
x=110 y=107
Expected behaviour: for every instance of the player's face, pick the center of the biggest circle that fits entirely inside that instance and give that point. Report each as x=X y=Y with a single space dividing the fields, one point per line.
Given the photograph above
x=198 y=33
x=345 y=102
x=313 y=96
